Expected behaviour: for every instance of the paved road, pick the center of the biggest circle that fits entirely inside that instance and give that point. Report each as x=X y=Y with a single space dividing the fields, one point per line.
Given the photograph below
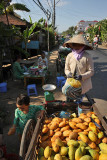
x=99 y=80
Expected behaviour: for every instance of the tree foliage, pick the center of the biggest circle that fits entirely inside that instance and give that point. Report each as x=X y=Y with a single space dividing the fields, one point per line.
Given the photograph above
x=100 y=29
x=17 y=6
x=71 y=30
x=10 y=8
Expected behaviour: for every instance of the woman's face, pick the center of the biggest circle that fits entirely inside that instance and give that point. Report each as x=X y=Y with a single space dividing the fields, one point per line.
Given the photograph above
x=43 y=56
x=19 y=59
x=23 y=108
x=76 y=46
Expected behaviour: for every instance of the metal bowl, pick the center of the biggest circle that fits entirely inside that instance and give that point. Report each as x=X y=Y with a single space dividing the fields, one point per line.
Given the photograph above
x=49 y=87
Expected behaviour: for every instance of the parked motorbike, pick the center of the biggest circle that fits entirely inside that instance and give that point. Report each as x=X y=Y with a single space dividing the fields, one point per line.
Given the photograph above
x=95 y=45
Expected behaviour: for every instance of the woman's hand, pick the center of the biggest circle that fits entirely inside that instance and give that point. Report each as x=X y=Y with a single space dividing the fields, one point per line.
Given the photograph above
x=78 y=77
x=12 y=130
x=69 y=75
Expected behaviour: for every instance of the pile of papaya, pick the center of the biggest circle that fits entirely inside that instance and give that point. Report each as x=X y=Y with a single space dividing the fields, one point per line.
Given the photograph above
x=76 y=138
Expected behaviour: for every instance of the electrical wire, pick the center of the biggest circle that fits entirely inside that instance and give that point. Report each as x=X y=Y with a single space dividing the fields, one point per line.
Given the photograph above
x=65 y=17
x=85 y=13
x=57 y=2
x=52 y=3
x=66 y=12
x=79 y=12
x=74 y=15
x=40 y=6
x=49 y=6
x=35 y=12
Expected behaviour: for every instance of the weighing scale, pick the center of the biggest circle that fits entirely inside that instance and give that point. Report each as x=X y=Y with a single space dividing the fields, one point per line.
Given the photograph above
x=49 y=96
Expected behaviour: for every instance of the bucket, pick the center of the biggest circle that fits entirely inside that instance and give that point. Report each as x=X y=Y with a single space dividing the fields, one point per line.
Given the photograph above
x=3 y=87
x=84 y=109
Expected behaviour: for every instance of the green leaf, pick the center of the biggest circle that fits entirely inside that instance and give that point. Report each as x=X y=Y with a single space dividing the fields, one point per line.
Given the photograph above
x=25 y=33
x=30 y=19
x=18 y=6
x=32 y=28
x=41 y=20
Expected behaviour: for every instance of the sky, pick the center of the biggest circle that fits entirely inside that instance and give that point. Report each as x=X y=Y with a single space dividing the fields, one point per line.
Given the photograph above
x=68 y=12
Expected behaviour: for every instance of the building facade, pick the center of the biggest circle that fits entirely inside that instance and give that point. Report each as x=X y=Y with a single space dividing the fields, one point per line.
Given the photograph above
x=83 y=25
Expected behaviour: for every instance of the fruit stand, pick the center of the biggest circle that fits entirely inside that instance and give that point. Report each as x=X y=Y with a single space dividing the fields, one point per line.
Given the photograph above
x=80 y=137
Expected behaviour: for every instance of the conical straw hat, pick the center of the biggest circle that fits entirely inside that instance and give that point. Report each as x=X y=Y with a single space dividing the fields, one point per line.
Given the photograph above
x=80 y=40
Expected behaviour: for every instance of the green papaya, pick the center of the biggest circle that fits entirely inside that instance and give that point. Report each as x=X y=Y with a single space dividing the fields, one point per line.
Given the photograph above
x=73 y=142
x=100 y=135
x=86 y=157
x=82 y=143
x=94 y=154
x=64 y=158
x=51 y=158
x=84 y=138
x=71 y=152
x=47 y=152
x=87 y=148
x=92 y=136
x=83 y=150
x=78 y=153
x=58 y=157
x=63 y=151
x=40 y=152
x=59 y=142
x=103 y=147
x=94 y=116
x=42 y=158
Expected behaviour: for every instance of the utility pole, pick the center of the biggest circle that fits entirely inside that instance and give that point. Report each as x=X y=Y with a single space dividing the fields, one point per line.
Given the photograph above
x=48 y=28
x=54 y=15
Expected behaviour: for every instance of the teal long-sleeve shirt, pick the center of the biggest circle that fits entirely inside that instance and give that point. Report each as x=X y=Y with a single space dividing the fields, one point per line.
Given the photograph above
x=17 y=71
x=21 y=119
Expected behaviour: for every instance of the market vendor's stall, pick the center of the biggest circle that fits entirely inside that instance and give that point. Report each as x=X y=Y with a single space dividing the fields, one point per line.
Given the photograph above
x=34 y=72
x=65 y=135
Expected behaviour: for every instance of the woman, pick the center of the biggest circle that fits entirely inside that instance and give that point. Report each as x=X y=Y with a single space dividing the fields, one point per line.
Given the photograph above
x=17 y=69
x=23 y=113
x=78 y=65
x=42 y=61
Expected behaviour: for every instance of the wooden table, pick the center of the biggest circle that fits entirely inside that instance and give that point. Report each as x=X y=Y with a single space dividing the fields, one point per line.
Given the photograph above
x=33 y=77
